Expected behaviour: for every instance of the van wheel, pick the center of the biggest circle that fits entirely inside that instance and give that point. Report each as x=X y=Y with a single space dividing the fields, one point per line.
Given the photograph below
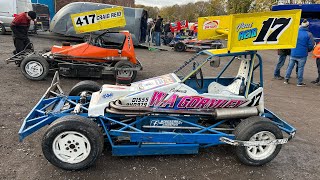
x=257 y=128
x=35 y=68
x=73 y=142
x=2 y=29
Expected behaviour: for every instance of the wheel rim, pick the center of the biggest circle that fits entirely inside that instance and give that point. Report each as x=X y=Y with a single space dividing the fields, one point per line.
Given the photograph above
x=34 y=68
x=88 y=93
x=125 y=73
x=261 y=152
x=71 y=147
x=1 y=29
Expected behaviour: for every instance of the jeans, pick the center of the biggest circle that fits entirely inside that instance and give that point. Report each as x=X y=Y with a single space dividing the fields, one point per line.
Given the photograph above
x=282 y=60
x=301 y=62
x=157 y=38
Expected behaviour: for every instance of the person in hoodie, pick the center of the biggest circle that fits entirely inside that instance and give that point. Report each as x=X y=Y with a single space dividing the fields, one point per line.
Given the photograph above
x=305 y=44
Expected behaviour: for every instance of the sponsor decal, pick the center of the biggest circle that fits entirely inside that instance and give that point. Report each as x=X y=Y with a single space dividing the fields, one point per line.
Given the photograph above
x=161 y=99
x=245 y=31
x=211 y=24
x=165 y=122
x=178 y=90
x=139 y=101
x=107 y=95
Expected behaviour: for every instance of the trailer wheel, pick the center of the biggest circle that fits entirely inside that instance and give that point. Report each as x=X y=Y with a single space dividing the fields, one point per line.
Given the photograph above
x=124 y=73
x=72 y=143
x=257 y=129
x=180 y=47
x=34 y=68
x=2 y=29
x=84 y=86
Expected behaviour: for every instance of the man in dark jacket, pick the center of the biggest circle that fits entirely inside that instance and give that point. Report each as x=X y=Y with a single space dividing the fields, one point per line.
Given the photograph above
x=20 y=27
x=158 y=30
x=283 y=53
x=305 y=44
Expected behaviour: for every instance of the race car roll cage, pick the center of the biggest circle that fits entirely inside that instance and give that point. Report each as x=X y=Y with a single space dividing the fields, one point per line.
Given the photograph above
x=140 y=132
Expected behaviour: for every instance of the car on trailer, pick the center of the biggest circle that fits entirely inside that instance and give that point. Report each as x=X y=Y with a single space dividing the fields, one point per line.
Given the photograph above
x=176 y=113
x=94 y=58
x=195 y=45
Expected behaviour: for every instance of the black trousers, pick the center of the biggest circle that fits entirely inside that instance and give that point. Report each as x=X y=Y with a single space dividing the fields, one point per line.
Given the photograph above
x=20 y=43
x=318 y=66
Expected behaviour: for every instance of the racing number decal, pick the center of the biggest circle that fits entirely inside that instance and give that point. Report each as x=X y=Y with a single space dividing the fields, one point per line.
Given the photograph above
x=277 y=26
x=84 y=20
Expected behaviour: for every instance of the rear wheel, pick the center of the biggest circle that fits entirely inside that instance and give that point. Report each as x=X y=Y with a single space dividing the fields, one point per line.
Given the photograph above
x=73 y=143
x=2 y=29
x=124 y=73
x=180 y=47
x=34 y=68
x=257 y=129
x=85 y=86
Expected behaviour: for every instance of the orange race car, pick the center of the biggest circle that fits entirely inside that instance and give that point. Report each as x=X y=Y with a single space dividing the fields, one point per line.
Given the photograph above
x=90 y=59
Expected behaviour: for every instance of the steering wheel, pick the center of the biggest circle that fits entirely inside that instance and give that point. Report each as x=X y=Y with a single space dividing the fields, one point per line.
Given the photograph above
x=99 y=40
x=198 y=76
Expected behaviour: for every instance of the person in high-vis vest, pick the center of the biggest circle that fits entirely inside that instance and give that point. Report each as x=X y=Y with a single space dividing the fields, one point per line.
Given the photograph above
x=316 y=53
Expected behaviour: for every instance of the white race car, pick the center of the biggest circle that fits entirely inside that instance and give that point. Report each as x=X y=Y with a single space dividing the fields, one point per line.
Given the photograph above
x=176 y=113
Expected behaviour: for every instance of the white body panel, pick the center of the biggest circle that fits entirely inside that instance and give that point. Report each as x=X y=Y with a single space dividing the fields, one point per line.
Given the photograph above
x=168 y=92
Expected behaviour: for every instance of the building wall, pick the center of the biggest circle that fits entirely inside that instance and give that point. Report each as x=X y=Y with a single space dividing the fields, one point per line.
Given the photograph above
x=126 y=3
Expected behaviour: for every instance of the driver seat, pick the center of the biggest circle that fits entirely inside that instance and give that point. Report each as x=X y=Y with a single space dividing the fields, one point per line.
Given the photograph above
x=237 y=86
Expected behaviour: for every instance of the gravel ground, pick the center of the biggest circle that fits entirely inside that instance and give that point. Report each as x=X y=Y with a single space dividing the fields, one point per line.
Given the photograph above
x=298 y=159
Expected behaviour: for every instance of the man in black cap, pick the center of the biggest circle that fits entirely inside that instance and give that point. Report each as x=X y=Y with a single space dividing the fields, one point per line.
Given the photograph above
x=20 y=27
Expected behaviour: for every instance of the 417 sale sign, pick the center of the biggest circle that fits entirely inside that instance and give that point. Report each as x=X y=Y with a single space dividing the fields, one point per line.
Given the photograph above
x=98 y=20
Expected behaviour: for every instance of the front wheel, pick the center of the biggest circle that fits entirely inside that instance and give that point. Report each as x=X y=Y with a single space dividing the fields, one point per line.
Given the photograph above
x=257 y=129
x=73 y=143
x=86 y=86
x=34 y=68
x=180 y=47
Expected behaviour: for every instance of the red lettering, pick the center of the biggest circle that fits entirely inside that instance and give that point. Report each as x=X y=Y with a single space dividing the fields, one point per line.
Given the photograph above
x=183 y=102
x=193 y=102
x=203 y=102
x=172 y=99
x=157 y=98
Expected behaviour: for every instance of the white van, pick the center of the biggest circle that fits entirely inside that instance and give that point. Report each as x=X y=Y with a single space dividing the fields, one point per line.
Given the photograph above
x=9 y=9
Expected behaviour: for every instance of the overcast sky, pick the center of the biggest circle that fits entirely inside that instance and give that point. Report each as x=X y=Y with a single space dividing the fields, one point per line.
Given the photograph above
x=161 y=3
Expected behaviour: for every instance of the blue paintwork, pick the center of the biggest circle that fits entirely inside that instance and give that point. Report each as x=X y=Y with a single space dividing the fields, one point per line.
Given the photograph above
x=147 y=135
x=147 y=149
x=49 y=3
x=310 y=12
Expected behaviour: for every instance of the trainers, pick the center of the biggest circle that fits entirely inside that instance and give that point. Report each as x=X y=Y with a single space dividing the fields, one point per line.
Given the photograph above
x=301 y=84
x=315 y=82
x=286 y=81
x=278 y=77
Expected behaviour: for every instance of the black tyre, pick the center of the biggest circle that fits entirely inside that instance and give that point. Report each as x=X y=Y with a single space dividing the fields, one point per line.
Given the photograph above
x=73 y=143
x=2 y=29
x=35 y=68
x=179 y=47
x=257 y=129
x=124 y=73
x=84 y=86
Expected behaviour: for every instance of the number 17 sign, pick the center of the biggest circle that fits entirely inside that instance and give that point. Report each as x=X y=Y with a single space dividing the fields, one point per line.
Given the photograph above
x=98 y=20
x=253 y=31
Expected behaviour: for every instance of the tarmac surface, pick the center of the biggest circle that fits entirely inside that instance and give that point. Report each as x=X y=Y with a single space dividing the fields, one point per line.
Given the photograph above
x=298 y=159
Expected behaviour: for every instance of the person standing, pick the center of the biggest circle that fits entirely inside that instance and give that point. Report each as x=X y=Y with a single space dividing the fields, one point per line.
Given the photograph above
x=305 y=44
x=316 y=53
x=283 y=53
x=143 y=27
x=20 y=27
x=158 y=30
